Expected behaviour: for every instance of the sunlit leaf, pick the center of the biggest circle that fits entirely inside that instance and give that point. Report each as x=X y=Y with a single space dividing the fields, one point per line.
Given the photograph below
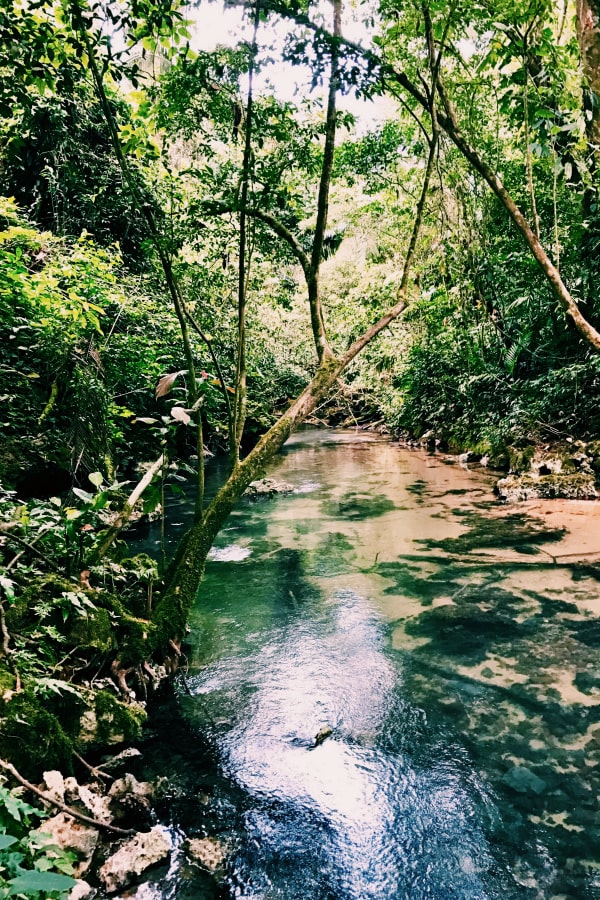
x=83 y=495
x=180 y=415
x=166 y=383
x=6 y=841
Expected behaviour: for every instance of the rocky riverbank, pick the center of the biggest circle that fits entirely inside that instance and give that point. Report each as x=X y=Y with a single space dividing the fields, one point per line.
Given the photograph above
x=108 y=827
x=568 y=470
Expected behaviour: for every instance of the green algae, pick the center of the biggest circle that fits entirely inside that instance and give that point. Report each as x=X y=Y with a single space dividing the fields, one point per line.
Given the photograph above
x=514 y=531
x=358 y=506
x=37 y=733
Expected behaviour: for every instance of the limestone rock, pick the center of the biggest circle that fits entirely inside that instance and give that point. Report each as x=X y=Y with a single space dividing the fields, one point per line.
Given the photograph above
x=578 y=486
x=55 y=785
x=210 y=853
x=82 y=891
x=67 y=833
x=112 y=721
x=88 y=725
x=140 y=853
x=267 y=487
x=87 y=800
x=98 y=807
x=469 y=457
x=322 y=735
x=129 y=784
x=121 y=760
x=130 y=799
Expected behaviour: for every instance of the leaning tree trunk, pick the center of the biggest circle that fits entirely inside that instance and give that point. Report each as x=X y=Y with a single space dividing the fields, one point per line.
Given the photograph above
x=171 y=614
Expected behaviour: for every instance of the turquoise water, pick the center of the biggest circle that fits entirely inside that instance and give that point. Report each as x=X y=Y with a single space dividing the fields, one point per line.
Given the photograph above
x=392 y=692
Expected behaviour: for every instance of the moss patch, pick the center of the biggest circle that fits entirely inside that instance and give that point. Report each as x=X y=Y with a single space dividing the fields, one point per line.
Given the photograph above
x=113 y=722
x=33 y=737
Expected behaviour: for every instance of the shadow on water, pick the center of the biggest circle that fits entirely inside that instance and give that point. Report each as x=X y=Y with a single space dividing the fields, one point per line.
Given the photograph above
x=514 y=530
x=385 y=702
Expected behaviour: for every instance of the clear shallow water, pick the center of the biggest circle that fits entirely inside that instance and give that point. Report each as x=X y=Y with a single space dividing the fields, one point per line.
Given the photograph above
x=390 y=601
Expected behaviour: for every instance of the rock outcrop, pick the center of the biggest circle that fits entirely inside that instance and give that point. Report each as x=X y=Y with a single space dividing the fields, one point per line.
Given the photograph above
x=570 y=472
x=135 y=857
x=67 y=833
x=267 y=487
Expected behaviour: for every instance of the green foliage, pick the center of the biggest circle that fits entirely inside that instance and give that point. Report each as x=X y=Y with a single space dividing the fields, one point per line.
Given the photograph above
x=56 y=160
x=29 y=865
x=60 y=630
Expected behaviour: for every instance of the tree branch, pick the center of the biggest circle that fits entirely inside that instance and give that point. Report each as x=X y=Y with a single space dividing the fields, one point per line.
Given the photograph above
x=240 y=399
x=146 y=212
x=81 y=817
x=126 y=511
x=314 y=295
x=400 y=306
x=449 y=123
x=273 y=223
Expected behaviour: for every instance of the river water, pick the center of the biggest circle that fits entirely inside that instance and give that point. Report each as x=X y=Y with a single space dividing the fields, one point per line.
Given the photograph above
x=392 y=692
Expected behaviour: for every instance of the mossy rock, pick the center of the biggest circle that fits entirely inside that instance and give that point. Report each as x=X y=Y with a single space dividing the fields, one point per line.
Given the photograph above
x=110 y=721
x=578 y=486
x=7 y=683
x=519 y=458
x=95 y=630
x=593 y=451
x=34 y=737
x=18 y=614
x=117 y=629
x=45 y=588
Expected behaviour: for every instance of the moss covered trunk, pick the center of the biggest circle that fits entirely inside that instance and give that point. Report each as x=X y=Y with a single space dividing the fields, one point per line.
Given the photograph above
x=172 y=612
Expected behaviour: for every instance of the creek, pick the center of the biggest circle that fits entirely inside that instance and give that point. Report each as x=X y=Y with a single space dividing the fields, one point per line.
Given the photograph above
x=449 y=646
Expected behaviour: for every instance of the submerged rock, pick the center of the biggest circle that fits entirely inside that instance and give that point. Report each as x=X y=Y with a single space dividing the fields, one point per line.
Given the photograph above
x=268 y=487
x=133 y=858
x=208 y=852
x=524 y=781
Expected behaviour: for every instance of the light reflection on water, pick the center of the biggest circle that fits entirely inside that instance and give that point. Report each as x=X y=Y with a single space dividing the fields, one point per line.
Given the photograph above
x=394 y=604
x=361 y=819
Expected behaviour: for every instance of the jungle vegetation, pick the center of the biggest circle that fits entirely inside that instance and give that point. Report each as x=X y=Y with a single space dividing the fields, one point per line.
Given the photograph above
x=192 y=264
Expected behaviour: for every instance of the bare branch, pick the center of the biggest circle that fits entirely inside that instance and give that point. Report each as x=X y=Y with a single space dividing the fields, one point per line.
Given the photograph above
x=127 y=509
x=47 y=798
